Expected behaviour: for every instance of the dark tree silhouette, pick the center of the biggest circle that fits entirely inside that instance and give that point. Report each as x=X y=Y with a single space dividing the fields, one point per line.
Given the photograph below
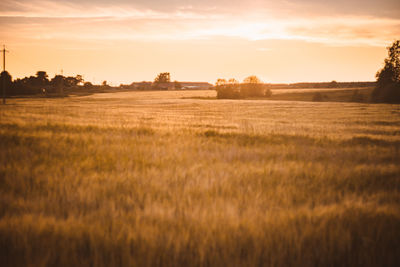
x=88 y=85
x=6 y=81
x=58 y=80
x=333 y=84
x=388 y=78
x=41 y=78
x=40 y=83
x=71 y=81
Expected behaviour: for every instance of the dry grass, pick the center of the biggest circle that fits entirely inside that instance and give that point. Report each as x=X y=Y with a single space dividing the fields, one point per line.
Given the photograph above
x=150 y=179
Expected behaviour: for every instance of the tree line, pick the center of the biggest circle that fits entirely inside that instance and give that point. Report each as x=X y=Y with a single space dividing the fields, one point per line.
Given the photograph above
x=387 y=87
x=60 y=85
x=40 y=84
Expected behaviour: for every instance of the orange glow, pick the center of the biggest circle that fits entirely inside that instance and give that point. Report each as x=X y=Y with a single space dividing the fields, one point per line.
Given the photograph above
x=122 y=43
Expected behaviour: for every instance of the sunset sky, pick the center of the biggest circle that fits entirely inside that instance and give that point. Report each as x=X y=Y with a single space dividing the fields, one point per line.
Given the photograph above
x=123 y=41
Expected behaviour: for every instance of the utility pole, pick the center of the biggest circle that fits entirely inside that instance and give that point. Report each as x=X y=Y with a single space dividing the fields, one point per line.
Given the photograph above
x=4 y=73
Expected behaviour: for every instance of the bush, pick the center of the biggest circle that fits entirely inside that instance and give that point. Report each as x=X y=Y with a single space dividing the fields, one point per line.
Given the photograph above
x=227 y=91
x=251 y=90
x=267 y=92
x=232 y=89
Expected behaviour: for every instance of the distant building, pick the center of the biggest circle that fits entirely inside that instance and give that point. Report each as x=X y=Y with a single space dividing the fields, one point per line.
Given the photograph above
x=196 y=85
x=164 y=86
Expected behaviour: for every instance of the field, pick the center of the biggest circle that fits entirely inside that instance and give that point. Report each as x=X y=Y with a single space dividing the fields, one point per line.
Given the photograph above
x=328 y=95
x=176 y=179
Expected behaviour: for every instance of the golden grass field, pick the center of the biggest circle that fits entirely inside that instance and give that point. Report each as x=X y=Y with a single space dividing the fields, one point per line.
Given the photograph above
x=169 y=179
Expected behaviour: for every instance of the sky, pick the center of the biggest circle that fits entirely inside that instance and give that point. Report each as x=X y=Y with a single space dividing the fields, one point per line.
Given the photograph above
x=122 y=41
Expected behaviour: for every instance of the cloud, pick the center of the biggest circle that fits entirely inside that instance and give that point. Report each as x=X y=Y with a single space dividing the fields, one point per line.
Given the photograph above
x=327 y=30
x=194 y=20
x=78 y=8
x=347 y=30
x=370 y=8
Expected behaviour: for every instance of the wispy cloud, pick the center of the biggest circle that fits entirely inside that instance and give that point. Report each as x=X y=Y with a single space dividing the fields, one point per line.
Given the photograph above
x=221 y=27
x=382 y=8
x=327 y=30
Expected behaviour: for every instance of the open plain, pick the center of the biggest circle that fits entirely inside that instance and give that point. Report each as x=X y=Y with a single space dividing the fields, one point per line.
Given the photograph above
x=176 y=179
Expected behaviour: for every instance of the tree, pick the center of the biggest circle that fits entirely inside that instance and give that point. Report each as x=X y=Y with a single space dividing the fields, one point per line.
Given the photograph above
x=6 y=81
x=233 y=81
x=163 y=77
x=333 y=84
x=71 y=81
x=42 y=75
x=227 y=89
x=57 y=80
x=220 y=82
x=41 y=78
x=388 y=78
x=79 y=79
x=252 y=80
x=88 y=85
x=252 y=87
x=58 y=84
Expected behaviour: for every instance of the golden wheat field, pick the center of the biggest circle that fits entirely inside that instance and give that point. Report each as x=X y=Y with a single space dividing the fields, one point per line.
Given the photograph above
x=170 y=179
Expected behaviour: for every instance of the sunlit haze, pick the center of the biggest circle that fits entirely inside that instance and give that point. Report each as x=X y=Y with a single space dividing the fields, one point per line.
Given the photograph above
x=124 y=41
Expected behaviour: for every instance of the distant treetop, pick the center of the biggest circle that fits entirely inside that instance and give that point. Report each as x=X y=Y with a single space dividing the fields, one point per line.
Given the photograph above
x=163 y=77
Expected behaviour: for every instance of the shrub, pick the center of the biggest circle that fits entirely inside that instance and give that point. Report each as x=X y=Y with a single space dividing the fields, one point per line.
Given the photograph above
x=232 y=89
x=267 y=92
x=228 y=91
x=251 y=90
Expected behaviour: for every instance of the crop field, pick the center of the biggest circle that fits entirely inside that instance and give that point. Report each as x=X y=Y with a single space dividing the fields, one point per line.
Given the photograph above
x=177 y=178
